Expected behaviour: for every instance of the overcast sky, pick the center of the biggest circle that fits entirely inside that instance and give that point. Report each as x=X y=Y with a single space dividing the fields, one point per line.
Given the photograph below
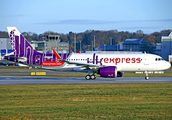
x=63 y=16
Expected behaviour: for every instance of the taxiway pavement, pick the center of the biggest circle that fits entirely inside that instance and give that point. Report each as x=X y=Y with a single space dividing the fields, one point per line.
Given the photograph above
x=24 y=80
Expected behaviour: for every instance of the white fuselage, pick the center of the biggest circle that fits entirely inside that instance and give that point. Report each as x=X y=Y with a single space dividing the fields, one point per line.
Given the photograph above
x=123 y=62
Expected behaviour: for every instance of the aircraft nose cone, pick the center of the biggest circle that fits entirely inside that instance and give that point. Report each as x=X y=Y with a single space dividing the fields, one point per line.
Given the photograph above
x=167 y=65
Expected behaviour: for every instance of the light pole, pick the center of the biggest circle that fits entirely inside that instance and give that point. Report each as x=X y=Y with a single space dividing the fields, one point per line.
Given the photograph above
x=74 y=42
x=80 y=46
x=94 y=41
x=45 y=45
x=0 y=49
x=92 y=45
x=111 y=40
x=68 y=47
x=170 y=46
x=6 y=46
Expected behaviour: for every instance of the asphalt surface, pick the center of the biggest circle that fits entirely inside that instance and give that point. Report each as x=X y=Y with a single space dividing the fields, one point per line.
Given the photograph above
x=9 y=79
x=24 y=80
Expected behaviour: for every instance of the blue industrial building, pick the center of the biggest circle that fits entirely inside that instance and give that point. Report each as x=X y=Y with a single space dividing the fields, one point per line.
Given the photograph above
x=136 y=45
x=108 y=48
x=142 y=45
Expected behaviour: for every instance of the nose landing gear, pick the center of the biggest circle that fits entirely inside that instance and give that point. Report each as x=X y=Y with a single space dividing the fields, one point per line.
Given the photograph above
x=146 y=75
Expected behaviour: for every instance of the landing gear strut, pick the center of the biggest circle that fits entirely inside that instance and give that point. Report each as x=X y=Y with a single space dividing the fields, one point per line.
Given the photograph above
x=146 y=75
x=88 y=77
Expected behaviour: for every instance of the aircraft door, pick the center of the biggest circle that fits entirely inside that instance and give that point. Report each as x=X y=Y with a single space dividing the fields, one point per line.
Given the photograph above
x=146 y=60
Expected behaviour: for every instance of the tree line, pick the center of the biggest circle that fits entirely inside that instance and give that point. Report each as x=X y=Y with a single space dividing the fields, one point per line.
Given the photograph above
x=101 y=37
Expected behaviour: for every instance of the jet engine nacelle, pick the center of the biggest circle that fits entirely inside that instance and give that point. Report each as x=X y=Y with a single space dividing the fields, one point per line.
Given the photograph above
x=109 y=71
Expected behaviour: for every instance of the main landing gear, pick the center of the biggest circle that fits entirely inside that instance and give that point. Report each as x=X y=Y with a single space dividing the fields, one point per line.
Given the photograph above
x=146 y=75
x=88 y=77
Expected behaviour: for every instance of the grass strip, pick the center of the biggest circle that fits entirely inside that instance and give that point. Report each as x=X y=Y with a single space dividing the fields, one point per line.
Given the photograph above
x=101 y=101
x=15 y=67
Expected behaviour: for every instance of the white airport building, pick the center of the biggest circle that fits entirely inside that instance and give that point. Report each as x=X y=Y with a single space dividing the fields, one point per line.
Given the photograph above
x=166 y=42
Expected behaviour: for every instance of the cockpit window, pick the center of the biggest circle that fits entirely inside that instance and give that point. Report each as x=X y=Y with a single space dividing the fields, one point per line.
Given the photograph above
x=158 y=59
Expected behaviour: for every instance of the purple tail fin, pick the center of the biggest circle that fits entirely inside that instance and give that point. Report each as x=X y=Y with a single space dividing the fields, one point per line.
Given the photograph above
x=20 y=45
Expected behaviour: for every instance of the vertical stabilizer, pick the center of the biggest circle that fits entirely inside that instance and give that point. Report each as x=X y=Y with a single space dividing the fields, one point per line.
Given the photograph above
x=20 y=45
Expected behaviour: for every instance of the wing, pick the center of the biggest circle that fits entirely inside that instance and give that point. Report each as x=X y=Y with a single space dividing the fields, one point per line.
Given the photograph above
x=80 y=64
x=83 y=65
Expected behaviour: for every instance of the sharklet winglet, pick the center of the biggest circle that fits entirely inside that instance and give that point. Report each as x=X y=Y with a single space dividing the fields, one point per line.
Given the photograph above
x=57 y=56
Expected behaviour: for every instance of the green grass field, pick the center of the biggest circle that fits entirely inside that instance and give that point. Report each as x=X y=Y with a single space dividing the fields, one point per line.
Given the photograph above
x=94 y=101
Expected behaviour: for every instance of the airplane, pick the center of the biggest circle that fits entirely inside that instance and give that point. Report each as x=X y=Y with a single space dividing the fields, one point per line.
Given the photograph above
x=106 y=65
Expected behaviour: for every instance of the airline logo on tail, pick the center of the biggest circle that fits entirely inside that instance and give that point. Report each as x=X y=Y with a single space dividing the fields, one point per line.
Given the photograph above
x=12 y=38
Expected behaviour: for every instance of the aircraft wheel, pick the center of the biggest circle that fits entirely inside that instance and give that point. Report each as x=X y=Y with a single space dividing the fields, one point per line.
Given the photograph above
x=93 y=77
x=87 y=77
x=147 y=78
